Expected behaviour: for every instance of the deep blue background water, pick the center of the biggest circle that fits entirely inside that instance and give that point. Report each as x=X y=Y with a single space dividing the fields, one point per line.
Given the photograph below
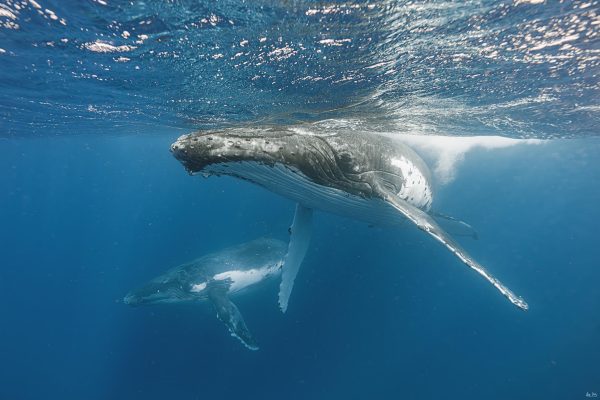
x=92 y=204
x=375 y=312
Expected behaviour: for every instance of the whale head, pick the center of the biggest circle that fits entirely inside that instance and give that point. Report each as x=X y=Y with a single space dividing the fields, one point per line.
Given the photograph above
x=288 y=160
x=157 y=292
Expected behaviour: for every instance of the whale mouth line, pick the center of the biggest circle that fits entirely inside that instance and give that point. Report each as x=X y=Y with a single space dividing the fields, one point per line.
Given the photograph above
x=259 y=172
x=212 y=169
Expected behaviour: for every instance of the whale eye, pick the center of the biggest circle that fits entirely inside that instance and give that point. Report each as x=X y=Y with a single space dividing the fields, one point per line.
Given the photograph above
x=346 y=162
x=390 y=186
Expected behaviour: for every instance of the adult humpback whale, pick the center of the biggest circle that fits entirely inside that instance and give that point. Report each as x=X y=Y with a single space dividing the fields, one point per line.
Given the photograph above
x=363 y=176
x=214 y=277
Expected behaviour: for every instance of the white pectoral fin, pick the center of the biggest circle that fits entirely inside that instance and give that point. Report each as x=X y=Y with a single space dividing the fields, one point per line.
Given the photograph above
x=427 y=224
x=300 y=234
x=228 y=313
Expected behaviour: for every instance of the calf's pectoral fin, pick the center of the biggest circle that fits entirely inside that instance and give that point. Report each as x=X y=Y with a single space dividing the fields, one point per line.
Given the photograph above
x=427 y=224
x=300 y=234
x=228 y=313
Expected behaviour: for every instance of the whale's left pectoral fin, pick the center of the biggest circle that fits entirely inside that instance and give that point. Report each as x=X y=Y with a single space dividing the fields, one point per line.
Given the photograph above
x=228 y=313
x=427 y=224
x=300 y=234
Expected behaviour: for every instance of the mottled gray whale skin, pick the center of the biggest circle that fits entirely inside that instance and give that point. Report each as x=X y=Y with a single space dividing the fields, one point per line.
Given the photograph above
x=360 y=175
x=353 y=163
x=214 y=278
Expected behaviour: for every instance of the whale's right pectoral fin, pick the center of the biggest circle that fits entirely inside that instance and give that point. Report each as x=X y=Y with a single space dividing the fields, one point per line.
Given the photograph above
x=300 y=234
x=228 y=313
x=427 y=224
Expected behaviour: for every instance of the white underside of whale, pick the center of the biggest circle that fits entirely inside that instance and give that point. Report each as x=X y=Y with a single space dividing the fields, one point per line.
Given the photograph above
x=240 y=280
x=291 y=183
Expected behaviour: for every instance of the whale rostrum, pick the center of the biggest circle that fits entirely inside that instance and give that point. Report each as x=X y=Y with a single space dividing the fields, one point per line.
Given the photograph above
x=360 y=175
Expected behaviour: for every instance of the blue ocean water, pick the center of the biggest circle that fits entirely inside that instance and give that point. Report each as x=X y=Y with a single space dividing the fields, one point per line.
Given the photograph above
x=92 y=204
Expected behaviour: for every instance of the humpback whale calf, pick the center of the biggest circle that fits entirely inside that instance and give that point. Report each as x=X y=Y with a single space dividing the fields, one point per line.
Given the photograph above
x=214 y=278
x=365 y=176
